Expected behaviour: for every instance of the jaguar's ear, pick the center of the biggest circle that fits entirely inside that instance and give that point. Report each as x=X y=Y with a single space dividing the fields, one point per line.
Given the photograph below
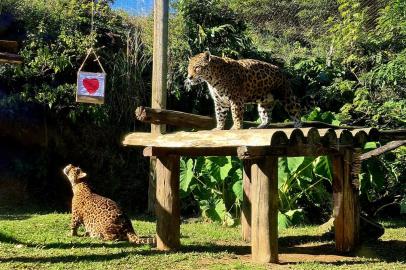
x=82 y=175
x=207 y=55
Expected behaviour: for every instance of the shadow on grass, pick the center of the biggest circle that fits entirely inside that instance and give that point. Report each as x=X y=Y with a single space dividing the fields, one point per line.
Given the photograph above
x=119 y=244
x=76 y=258
x=21 y=213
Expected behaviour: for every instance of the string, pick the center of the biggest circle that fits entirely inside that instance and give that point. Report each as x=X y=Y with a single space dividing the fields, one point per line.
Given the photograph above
x=91 y=49
x=92 y=21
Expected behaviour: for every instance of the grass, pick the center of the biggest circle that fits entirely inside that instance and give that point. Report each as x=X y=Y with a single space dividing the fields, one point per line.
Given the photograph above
x=42 y=241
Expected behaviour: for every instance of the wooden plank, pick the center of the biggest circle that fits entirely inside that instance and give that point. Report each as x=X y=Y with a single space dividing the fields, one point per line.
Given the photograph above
x=253 y=152
x=174 y=118
x=346 y=207
x=151 y=151
x=10 y=58
x=392 y=135
x=167 y=203
x=246 y=202
x=226 y=138
x=9 y=46
x=264 y=203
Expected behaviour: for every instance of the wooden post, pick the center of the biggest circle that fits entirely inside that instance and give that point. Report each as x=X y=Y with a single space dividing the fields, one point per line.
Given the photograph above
x=264 y=203
x=159 y=79
x=346 y=208
x=246 y=202
x=167 y=203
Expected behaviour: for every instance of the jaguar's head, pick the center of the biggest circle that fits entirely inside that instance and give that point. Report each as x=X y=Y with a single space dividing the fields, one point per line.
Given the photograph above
x=198 y=68
x=74 y=174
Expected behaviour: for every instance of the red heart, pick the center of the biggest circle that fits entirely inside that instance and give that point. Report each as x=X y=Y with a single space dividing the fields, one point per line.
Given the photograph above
x=91 y=85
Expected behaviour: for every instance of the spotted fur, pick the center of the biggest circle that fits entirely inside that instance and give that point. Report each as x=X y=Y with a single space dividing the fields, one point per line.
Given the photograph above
x=101 y=217
x=233 y=83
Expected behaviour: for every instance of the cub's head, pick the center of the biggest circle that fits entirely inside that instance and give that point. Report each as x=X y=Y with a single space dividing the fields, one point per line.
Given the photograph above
x=198 y=68
x=74 y=174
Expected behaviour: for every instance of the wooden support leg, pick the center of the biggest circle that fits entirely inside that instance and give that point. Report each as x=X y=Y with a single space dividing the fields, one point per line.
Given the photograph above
x=246 y=202
x=346 y=207
x=167 y=204
x=264 y=203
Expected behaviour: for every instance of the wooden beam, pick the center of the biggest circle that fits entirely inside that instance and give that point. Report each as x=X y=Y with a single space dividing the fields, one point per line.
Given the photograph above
x=246 y=202
x=253 y=152
x=264 y=203
x=189 y=120
x=346 y=207
x=159 y=80
x=152 y=151
x=383 y=149
x=160 y=60
x=8 y=46
x=392 y=135
x=10 y=58
x=167 y=203
x=174 y=118
x=236 y=138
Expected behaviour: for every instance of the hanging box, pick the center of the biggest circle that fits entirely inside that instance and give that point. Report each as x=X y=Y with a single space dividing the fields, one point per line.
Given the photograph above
x=90 y=87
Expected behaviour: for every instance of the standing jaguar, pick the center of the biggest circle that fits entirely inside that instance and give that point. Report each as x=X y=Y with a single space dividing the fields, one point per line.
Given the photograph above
x=233 y=83
x=100 y=216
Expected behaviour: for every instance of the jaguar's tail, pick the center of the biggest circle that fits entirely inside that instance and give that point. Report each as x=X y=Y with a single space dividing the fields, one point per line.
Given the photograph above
x=135 y=239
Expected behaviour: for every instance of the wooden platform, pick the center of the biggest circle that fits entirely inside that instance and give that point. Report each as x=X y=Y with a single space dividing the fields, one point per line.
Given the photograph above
x=259 y=149
x=274 y=138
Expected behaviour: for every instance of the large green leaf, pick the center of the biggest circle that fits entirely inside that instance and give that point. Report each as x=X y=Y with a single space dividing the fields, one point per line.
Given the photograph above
x=294 y=163
x=238 y=190
x=186 y=174
x=283 y=171
x=322 y=167
x=213 y=167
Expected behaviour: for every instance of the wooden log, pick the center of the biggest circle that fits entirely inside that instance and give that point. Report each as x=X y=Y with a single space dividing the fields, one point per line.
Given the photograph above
x=151 y=151
x=383 y=149
x=189 y=120
x=10 y=58
x=228 y=138
x=8 y=46
x=264 y=203
x=253 y=152
x=167 y=203
x=346 y=208
x=392 y=135
x=246 y=202
x=159 y=80
x=174 y=118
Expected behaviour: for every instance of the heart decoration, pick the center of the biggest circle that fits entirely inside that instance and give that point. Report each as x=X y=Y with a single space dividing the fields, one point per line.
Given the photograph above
x=91 y=85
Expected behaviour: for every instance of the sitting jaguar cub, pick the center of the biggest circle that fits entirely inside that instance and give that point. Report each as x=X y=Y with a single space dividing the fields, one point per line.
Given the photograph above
x=232 y=83
x=100 y=216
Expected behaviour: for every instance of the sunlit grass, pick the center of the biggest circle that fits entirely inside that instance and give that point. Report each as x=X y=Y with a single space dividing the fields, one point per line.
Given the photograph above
x=42 y=241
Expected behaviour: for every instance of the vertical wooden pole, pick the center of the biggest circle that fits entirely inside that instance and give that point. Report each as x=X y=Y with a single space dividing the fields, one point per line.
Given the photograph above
x=264 y=203
x=246 y=202
x=346 y=207
x=159 y=80
x=167 y=203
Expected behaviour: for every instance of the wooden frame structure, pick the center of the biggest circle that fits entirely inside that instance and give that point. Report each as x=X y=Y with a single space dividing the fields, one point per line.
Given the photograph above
x=259 y=149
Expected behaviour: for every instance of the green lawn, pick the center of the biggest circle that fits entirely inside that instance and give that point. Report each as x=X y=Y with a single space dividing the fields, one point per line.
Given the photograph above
x=42 y=241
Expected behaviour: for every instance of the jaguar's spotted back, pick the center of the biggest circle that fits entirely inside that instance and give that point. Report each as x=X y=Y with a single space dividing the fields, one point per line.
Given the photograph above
x=233 y=83
x=100 y=216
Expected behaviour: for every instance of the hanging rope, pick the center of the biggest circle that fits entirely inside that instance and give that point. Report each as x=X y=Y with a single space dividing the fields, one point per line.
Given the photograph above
x=91 y=49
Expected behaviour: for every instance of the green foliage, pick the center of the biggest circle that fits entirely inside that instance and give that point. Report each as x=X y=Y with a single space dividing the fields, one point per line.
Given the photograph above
x=215 y=182
x=54 y=37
